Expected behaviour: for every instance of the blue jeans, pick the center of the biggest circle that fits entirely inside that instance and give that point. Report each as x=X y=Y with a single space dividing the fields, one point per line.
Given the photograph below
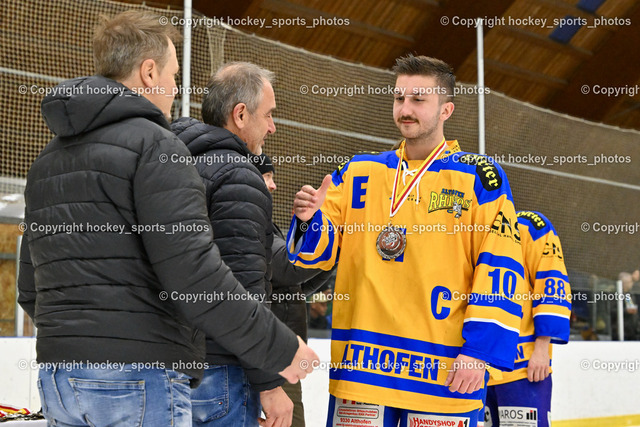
x=114 y=397
x=225 y=398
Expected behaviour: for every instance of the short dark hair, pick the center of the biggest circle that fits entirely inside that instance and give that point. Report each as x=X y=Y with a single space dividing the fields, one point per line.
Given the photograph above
x=426 y=66
x=234 y=83
x=263 y=163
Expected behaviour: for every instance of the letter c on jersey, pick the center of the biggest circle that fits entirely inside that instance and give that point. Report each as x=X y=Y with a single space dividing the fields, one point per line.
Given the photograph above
x=435 y=296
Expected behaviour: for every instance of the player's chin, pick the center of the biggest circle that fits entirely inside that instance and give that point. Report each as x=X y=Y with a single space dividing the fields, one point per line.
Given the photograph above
x=408 y=134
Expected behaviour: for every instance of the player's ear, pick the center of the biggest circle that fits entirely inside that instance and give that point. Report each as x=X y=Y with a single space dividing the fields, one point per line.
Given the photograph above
x=446 y=110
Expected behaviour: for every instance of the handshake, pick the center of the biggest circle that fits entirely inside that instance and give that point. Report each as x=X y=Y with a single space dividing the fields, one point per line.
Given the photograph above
x=303 y=363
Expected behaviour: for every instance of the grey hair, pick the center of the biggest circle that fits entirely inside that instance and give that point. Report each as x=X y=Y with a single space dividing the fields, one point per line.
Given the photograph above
x=232 y=84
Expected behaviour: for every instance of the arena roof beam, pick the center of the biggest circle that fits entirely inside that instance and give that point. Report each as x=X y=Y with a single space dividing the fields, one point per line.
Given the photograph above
x=570 y=9
x=522 y=73
x=436 y=40
x=544 y=42
x=222 y=9
x=608 y=67
x=422 y=3
x=354 y=27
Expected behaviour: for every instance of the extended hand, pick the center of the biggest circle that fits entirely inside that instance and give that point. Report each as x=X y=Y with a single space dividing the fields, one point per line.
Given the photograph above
x=302 y=364
x=308 y=200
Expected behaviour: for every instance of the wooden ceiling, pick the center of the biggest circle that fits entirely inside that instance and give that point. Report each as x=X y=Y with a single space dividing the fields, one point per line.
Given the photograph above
x=523 y=58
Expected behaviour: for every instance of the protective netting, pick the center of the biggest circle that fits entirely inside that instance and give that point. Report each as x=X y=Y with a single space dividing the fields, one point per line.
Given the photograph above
x=44 y=42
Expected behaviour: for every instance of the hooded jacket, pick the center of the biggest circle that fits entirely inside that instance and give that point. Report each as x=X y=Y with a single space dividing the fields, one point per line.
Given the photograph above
x=118 y=261
x=240 y=212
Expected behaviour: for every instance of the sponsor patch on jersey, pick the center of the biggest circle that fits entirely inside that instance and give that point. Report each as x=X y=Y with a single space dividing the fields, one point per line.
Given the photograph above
x=536 y=220
x=428 y=420
x=342 y=165
x=485 y=169
x=349 y=413
x=518 y=416
x=505 y=227
x=552 y=250
x=488 y=422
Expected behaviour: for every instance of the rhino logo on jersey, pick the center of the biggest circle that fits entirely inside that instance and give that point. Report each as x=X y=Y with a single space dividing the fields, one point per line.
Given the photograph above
x=457 y=208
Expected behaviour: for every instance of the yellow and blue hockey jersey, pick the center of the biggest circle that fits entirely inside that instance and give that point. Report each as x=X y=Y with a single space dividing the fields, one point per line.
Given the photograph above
x=399 y=324
x=547 y=309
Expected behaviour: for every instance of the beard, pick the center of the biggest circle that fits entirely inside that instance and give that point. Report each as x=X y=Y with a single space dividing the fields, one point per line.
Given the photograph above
x=424 y=131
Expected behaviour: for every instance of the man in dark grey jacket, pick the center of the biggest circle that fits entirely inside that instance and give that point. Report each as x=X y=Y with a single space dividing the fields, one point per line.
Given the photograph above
x=237 y=111
x=118 y=263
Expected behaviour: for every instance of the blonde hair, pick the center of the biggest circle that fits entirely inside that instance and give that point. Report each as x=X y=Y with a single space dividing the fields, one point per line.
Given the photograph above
x=123 y=42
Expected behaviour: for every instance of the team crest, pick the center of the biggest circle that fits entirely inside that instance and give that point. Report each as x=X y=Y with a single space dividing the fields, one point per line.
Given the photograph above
x=451 y=200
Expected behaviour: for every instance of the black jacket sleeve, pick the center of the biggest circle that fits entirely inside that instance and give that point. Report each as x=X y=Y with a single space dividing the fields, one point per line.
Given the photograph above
x=26 y=281
x=240 y=214
x=312 y=285
x=285 y=274
x=261 y=380
x=171 y=195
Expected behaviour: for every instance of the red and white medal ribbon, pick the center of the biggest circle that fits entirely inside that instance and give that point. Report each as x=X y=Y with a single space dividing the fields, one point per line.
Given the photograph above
x=397 y=201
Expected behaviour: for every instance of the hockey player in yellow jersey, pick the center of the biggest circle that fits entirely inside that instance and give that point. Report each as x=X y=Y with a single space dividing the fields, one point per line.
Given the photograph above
x=429 y=267
x=525 y=393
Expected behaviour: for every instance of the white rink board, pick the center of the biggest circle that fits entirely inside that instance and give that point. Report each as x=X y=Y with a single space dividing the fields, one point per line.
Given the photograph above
x=577 y=392
x=315 y=388
x=18 y=379
x=581 y=391
x=608 y=386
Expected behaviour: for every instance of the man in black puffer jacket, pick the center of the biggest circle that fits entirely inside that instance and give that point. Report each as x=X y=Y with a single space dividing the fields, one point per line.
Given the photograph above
x=237 y=109
x=118 y=262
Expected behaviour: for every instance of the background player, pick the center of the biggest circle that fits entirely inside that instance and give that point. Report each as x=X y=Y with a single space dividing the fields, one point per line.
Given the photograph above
x=526 y=392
